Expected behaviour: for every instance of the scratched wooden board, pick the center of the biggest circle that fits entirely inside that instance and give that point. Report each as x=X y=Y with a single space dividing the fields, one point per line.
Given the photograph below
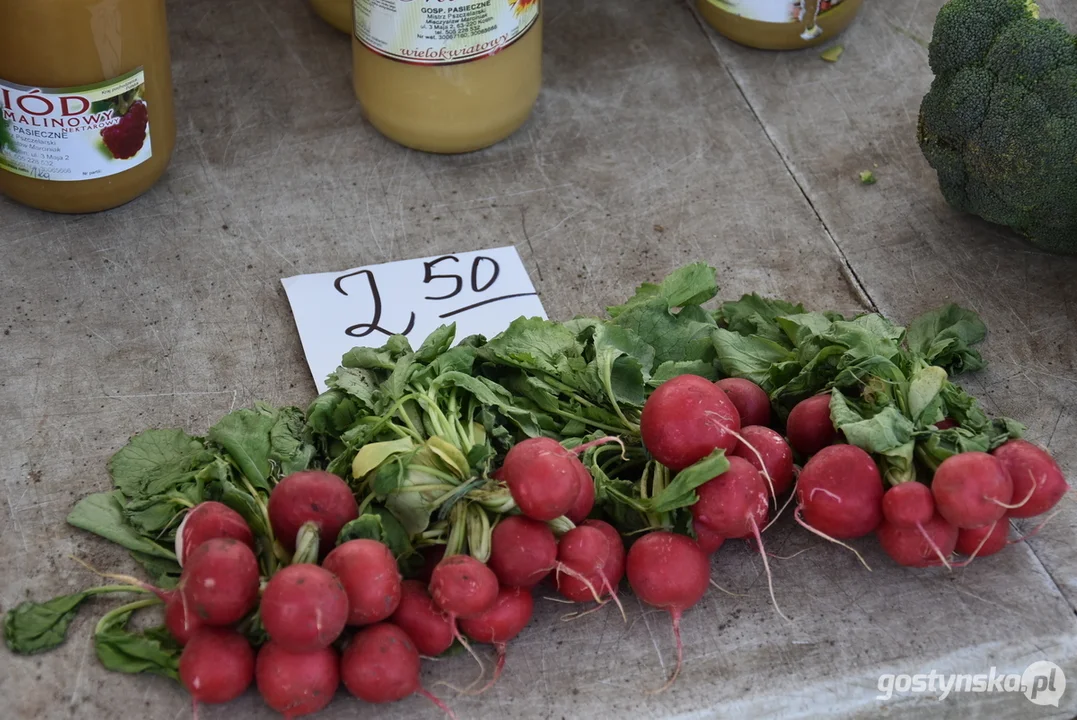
x=643 y=154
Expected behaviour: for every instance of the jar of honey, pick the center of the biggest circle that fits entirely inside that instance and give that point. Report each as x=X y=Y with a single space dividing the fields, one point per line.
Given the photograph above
x=337 y=13
x=779 y=24
x=447 y=77
x=86 y=115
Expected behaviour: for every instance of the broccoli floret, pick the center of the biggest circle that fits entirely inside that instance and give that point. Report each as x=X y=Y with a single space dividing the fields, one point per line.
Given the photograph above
x=999 y=124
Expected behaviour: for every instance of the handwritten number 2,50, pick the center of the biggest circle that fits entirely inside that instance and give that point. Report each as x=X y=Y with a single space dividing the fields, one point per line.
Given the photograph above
x=476 y=269
x=363 y=329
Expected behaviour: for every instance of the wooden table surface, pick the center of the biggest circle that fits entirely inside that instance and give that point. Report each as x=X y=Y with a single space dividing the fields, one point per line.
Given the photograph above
x=169 y=312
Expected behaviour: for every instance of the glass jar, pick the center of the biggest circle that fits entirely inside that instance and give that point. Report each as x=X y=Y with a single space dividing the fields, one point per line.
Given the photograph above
x=337 y=13
x=779 y=24
x=85 y=101
x=447 y=78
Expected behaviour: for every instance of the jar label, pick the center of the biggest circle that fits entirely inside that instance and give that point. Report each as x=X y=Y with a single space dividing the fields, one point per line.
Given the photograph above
x=776 y=11
x=78 y=133
x=441 y=32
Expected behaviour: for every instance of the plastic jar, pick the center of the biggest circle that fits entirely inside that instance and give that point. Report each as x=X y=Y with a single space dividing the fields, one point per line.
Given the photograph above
x=779 y=24
x=86 y=102
x=337 y=13
x=447 y=77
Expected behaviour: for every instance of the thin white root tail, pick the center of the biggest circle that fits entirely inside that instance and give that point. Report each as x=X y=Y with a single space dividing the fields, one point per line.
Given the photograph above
x=1036 y=530
x=762 y=465
x=1031 y=492
x=562 y=568
x=820 y=533
x=983 y=541
x=931 y=543
x=766 y=568
x=782 y=510
x=727 y=592
x=676 y=614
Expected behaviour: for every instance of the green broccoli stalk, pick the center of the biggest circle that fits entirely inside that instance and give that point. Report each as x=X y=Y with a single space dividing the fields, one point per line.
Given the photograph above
x=999 y=124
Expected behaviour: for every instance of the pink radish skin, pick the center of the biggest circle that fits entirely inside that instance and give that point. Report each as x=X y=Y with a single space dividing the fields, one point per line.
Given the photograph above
x=311 y=496
x=463 y=587
x=501 y=623
x=219 y=584
x=587 y=552
x=216 y=665
x=909 y=547
x=615 y=569
x=542 y=477
x=669 y=572
x=809 y=427
x=945 y=424
x=585 y=499
x=382 y=665
x=1034 y=475
x=296 y=684
x=686 y=419
x=304 y=608
x=180 y=623
x=734 y=504
x=908 y=504
x=971 y=490
x=840 y=492
x=522 y=551
x=206 y=521
x=973 y=541
x=424 y=622
x=371 y=579
x=751 y=401
x=708 y=540
x=775 y=451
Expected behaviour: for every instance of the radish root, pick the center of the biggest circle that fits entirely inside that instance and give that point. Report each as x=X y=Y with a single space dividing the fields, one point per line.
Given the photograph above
x=1028 y=497
x=983 y=541
x=782 y=510
x=766 y=568
x=762 y=465
x=820 y=533
x=933 y=546
x=727 y=592
x=676 y=614
x=1036 y=530
x=437 y=701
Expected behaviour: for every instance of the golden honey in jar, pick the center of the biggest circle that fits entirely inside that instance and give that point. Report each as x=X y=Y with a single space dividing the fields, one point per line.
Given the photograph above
x=86 y=116
x=337 y=13
x=779 y=24
x=447 y=76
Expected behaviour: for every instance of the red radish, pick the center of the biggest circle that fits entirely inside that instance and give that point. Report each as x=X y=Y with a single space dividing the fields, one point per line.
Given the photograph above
x=382 y=665
x=585 y=499
x=522 y=551
x=543 y=478
x=209 y=520
x=616 y=568
x=219 y=584
x=588 y=566
x=945 y=424
x=370 y=577
x=686 y=419
x=216 y=665
x=463 y=587
x=1035 y=475
x=777 y=456
x=750 y=400
x=296 y=684
x=708 y=540
x=908 y=504
x=501 y=623
x=809 y=427
x=983 y=541
x=311 y=496
x=304 y=608
x=734 y=504
x=925 y=546
x=972 y=489
x=840 y=492
x=669 y=572
x=424 y=622
x=180 y=623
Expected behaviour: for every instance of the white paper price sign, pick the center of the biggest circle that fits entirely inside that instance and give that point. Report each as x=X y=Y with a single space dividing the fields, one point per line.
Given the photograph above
x=482 y=292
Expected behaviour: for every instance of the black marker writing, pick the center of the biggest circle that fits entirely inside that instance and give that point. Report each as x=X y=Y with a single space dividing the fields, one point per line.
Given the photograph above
x=363 y=329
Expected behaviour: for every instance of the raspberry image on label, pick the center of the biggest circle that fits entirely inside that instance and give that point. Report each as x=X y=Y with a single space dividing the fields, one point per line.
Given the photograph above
x=125 y=138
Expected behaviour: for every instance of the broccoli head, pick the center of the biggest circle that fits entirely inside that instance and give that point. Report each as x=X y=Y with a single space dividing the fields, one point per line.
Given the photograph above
x=999 y=124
